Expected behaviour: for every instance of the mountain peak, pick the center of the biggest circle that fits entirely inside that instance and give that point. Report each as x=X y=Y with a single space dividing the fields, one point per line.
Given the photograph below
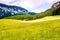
x=56 y=5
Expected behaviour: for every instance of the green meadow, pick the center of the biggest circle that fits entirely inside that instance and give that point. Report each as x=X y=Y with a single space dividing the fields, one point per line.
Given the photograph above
x=47 y=28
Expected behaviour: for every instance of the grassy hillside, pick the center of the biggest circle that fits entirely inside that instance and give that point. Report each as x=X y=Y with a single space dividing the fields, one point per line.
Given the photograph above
x=49 y=12
x=22 y=17
x=47 y=28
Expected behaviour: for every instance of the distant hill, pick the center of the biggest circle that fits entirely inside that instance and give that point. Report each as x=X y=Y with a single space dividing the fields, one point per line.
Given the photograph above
x=8 y=10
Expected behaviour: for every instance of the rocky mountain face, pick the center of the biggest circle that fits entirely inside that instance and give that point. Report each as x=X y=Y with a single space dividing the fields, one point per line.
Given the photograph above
x=7 y=10
x=56 y=8
x=56 y=5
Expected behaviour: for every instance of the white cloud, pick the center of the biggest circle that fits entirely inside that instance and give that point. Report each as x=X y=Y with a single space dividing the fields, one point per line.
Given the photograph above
x=52 y=1
x=6 y=1
x=49 y=1
x=31 y=4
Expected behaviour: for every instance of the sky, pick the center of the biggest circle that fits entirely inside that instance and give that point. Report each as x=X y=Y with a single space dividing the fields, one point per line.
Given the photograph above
x=31 y=5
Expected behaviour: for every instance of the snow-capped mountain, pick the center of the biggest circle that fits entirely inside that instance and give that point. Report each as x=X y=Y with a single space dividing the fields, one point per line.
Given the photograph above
x=7 y=10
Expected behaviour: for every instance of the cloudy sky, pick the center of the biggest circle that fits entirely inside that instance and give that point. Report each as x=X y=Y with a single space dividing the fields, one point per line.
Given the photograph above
x=31 y=5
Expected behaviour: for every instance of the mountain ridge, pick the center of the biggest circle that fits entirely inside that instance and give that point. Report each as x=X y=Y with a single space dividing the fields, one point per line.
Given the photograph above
x=8 y=10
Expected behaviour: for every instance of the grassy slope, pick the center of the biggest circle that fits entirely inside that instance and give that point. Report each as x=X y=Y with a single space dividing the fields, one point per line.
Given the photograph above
x=44 y=29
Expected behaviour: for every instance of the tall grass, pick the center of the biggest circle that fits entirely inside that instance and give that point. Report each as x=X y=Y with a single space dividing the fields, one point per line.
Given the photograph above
x=18 y=30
